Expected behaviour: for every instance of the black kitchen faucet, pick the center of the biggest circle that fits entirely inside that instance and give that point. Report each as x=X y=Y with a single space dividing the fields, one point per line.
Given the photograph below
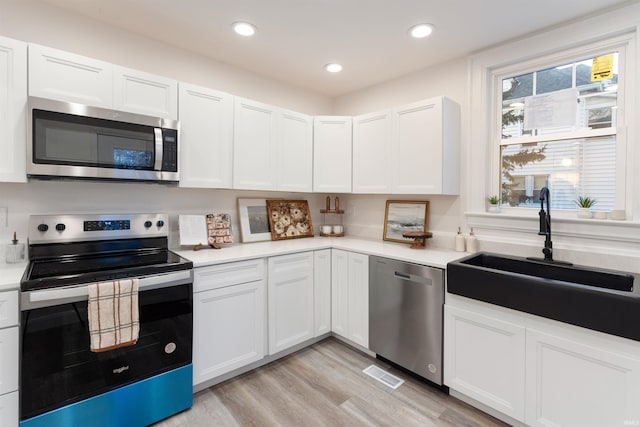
x=545 y=224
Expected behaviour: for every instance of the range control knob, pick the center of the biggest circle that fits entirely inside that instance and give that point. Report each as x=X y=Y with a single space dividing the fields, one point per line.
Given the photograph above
x=60 y=227
x=43 y=227
x=160 y=223
x=147 y=224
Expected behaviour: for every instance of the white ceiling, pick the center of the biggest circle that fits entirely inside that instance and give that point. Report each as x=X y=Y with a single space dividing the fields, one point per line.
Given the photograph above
x=296 y=38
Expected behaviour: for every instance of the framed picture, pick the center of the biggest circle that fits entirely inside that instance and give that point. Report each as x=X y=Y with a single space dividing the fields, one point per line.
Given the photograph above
x=254 y=221
x=405 y=215
x=289 y=219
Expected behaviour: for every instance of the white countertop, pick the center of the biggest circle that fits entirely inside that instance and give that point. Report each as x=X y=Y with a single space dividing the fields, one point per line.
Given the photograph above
x=10 y=275
x=242 y=251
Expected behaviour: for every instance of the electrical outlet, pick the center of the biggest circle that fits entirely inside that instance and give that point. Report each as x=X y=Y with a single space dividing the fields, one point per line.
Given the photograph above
x=4 y=217
x=351 y=211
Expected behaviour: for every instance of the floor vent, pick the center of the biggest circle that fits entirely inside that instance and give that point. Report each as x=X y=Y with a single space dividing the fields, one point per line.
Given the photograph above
x=384 y=377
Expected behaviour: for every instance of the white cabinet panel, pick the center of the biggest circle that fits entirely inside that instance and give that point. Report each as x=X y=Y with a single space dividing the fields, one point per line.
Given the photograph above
x=228 y=330
x=425 y=148
x=8 y=308
x=322 y=291
x=350 y=296
x=143 y=93
x=332 y=154
x=64 y=76
x=254 y=145
x=8 y=360
x=227 y=274
x=9 y=409
x=290 y=300
x=13 y=110
x=484 y=359
x=295 y=152
x=206 y=137
x=372 y=153
x=572 y=384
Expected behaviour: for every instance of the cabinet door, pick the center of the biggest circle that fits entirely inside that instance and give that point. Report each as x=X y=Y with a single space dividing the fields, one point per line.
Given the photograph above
x=322 y=291
x=206 y=137
x=9 y=409
x=339 y=291
x=573 y=384
x=332 y=159
x=358 y=297
x=228 y=329
x=290 y=300
x=8 y=359
x=372 y=153
x=13 y=110
x=254 y=145
x=8 y=308
x=484 y=359
x=295 y=152
x=143 y=93
x=64 y=76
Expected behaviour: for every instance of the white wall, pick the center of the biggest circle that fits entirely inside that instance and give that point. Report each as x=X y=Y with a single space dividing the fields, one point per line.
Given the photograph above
x=446 y=212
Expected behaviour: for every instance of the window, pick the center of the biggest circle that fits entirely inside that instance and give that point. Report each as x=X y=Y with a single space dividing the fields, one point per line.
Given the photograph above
x=558 y=129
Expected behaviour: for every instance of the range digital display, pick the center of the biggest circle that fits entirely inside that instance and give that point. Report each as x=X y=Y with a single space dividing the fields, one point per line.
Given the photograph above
x=107 y=225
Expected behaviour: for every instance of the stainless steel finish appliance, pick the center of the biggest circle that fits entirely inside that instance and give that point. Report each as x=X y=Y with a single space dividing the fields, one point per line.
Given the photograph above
x=60 y=378
x=76 y=141
x=405 y=315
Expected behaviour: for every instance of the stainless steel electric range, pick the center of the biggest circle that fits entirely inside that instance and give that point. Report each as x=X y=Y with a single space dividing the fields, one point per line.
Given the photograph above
x=62 y=382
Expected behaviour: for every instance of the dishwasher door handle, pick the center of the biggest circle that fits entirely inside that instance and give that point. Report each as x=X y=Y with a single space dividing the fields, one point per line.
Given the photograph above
x=412 y=278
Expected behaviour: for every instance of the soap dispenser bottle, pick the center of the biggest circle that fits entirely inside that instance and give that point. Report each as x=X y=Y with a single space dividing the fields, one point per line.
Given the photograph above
x=459 y=241
x=472 y=242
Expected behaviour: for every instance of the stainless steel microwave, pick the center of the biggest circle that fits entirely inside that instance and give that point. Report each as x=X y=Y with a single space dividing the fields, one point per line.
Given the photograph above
x=67 y=140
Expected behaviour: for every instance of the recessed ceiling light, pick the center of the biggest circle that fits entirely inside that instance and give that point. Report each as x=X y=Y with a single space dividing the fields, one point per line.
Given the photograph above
x=244 y=28
x=333 y=68
x=421 y=30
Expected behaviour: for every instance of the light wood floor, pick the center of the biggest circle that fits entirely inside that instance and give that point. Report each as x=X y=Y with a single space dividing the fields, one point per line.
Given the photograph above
x=323 y=385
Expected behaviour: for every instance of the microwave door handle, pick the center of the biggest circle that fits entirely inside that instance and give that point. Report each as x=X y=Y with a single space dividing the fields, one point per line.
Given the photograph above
x=158 y=137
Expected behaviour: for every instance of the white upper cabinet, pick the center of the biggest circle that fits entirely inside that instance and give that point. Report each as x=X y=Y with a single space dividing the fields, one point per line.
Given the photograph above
x=425 y=147
x=272 y=148
x=143 y=93
x=294 y=152
x=332 y=160
x=254 y=145
x=206 y=137
x=13 y=110
x=65 y=76
x=371 y=153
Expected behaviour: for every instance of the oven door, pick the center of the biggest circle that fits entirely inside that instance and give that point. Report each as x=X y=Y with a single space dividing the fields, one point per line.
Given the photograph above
x=86 y=142
x=57 y=366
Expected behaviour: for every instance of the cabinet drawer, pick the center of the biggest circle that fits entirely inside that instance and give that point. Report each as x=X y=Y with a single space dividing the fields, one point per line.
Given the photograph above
x=233 y=273
x=8 y=308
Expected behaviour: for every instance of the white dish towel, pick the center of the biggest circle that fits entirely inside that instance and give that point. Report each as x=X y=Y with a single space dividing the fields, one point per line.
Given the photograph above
x=113 y=314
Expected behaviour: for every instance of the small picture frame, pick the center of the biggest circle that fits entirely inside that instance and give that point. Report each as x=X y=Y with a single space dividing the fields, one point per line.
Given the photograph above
x=289 y=219
x=254 y=220
x=405 y=215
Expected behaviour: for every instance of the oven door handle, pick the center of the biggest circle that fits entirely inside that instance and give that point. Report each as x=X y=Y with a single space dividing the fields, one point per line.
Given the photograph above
x=61 y=295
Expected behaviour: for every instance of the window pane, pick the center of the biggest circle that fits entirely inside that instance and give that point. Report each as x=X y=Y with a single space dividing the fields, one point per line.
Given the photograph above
x=569 y=168
x=553 y=79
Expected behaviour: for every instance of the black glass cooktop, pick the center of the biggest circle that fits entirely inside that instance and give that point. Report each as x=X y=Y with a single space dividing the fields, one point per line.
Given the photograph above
x=69 y=270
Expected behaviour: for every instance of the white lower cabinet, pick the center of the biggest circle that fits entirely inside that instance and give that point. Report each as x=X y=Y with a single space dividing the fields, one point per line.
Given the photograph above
x=290 y=300
x=540 y=372
x=350 y=296
x=322 y=291
x=485 y=360
x=575 y=384
x=229 y=318
x=9 y=409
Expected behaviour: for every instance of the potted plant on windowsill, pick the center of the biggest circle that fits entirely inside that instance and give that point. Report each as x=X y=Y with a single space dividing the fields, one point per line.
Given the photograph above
x=585 y=203
x=494 y=204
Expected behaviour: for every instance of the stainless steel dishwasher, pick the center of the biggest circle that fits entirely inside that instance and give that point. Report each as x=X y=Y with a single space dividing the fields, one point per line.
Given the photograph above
x=405 y=315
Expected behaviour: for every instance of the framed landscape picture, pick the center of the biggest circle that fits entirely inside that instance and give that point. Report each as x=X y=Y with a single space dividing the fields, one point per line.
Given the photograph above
x=254 y=222
x=405 y=215
x=289 y=219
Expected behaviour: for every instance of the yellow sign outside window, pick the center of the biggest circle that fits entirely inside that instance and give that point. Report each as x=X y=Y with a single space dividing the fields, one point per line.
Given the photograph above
x=602 y=68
